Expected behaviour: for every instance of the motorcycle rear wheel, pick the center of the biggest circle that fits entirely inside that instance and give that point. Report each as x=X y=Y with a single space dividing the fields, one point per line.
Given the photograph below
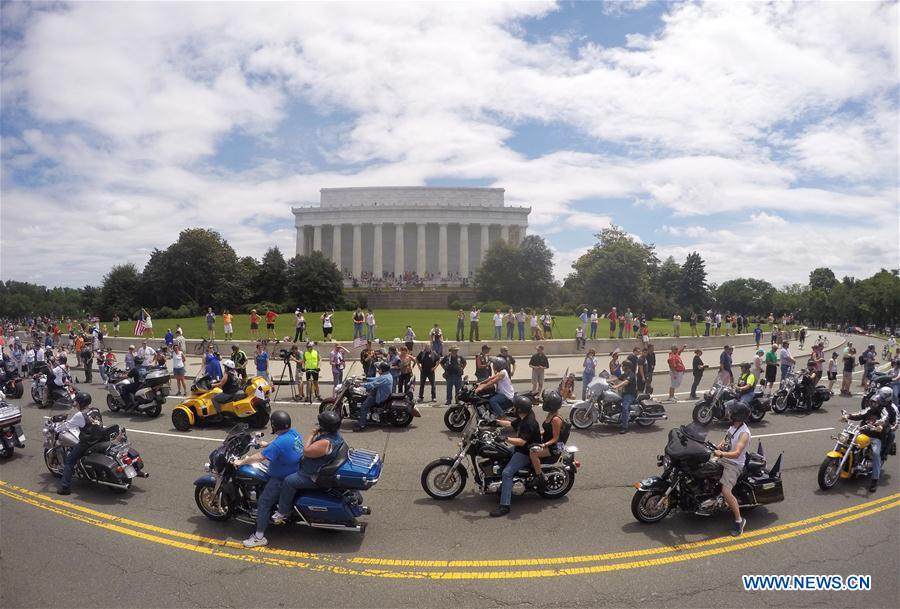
x=180 y=420
x=213 y=507
x=829 y=473
x=20 y=391
x=757 y=415
x=581 y=418
x=440 y=482
x=154 y=411
x=401 y=418
x=557 y=487
x=645 y=422
x=642 y=506
x=6 y=452
x=456 y=419
x=703 y=413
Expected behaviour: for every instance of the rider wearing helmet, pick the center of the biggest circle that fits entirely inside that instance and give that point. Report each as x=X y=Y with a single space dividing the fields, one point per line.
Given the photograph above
x=876 y=420
x=528 y=434
x=503 y=397
x=78 y=421
x=732 y=453
x=322 y=447
x=229 y=385
x=379 y=388
x=627 y=387
x=282 y=456
x=551 y=443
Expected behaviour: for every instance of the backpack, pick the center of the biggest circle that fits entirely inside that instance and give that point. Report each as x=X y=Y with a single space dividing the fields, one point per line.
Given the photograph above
x=564 y=430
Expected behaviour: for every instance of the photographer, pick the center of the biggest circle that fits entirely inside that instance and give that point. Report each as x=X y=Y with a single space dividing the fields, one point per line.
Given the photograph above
x=296 y=358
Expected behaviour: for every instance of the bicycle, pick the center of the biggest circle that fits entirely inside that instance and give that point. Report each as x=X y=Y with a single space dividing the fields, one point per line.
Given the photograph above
x=201 y=347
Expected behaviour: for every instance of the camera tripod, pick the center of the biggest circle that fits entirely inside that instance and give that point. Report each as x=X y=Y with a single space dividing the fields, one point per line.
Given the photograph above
x=286 y=370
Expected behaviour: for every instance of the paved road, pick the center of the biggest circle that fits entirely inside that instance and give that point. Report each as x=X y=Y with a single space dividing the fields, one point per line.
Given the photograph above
x=152 y=548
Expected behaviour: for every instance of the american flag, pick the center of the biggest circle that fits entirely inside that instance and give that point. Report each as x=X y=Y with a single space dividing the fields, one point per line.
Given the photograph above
x=139 y=326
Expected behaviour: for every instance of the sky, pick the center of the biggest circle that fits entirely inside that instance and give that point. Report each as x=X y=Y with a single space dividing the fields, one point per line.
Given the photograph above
x=762 y=135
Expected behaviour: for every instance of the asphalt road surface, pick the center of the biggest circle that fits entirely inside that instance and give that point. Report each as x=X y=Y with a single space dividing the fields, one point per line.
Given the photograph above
x=151 y=547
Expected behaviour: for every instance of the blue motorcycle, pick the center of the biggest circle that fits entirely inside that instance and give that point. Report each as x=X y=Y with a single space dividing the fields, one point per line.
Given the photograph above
x=231 y=492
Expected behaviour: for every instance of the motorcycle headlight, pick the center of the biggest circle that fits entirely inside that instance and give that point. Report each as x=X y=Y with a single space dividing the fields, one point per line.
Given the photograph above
x=844 y=437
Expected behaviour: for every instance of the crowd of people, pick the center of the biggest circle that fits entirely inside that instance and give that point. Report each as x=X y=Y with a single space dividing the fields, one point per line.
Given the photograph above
x=409 y=279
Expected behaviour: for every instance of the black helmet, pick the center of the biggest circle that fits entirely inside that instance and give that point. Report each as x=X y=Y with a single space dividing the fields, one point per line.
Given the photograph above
x=280 y=421
x=83 y=399
x=552 y=401
x=61 y=358
x=522 y=404
x=499 y=363
x=329 y=421
x=382 y=367
x=138 y=360
x=740 y=411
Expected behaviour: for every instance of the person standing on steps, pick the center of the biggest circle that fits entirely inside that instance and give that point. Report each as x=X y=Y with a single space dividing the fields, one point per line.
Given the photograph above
x=227 y=325
x=595 y=319
x=520 y=323
x=460 y=326
x=359 y=321
x=427 y=360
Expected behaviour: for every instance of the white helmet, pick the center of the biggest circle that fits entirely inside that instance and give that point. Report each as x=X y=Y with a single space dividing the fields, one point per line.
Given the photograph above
x=227 y=363
x=886 y=394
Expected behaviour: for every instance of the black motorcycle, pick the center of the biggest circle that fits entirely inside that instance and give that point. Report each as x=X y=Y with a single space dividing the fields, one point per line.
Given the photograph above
x=488 y=454
x=111 y=461
x=690 y=480
x=474 y=404
x=148 y=398
x=11 y=382
x=876 y=382
x=11 y=434
x=714 y=405
x=397 y=410
x=232 y=492
x=792 y=394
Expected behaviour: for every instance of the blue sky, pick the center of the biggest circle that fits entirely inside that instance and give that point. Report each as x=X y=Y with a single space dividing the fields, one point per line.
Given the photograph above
x=763 y=136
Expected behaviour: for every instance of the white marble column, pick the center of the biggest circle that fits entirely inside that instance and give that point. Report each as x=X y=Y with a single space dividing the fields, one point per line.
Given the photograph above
x=301 y=241
x=463 y=250
x=398 y=251
x=442 y=250
x=377 y=262
x=336 y=246
x=485 y=238
x=357 y=250
x=317 y=238
x=421 y=250
x=504 y=232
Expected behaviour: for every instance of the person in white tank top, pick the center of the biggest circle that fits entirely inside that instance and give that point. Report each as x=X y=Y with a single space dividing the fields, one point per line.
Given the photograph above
x=732 y=453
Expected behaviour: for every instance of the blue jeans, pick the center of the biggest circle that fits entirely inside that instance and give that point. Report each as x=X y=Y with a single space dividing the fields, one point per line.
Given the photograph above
x=627 y=399
x=364 y=409
x=293 y=483
x=357 y=330
x=586 y=379
x=706 y=332
x=69 y=466
x=265 y=502
x=509 y=331
x=746 y=398
x=593 y=334
x=785 y=370
x=453 y=380
x=621 y=329
x=437 y=347
x=896 y=387
x=516 y=462
x=521 y=330
x=876 y=458
x=498 y=332
x=370 y=332
x=499 y=403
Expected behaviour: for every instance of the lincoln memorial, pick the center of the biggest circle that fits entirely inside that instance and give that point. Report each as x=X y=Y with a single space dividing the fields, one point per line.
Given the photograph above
x=396 y=232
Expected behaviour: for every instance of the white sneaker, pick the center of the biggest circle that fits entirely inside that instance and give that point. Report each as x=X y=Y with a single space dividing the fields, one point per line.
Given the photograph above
x=254 y=541
x=278 y=517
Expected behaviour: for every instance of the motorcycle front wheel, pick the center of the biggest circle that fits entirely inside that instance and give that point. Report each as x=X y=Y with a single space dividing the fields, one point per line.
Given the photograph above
x=36 y=395
x=112 y=403
x=780 y=404
x=581 y=417
x=53 y=462
x=829 y=473
x=154 y=411
x=455 y=419
x=703 y=413
x=328 y=404
x=442 y=482
x=214 y=506
x=757 y=415
x=650 y=506
x=20 y=391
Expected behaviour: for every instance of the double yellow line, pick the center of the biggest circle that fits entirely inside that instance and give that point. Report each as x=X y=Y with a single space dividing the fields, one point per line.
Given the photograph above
x=450 y=569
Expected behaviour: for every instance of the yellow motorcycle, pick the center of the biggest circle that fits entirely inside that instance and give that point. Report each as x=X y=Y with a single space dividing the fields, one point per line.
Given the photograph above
x=252 y=407
x=851 y=457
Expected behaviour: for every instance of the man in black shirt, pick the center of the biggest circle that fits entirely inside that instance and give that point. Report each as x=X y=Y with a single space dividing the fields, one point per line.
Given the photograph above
x=427 y=361
x=453 y=366
x=697 y=367
x=628 y=390
x=539 y=364
x=510 y=365
x=651 y=366
x=483 y=363
x=528 y=433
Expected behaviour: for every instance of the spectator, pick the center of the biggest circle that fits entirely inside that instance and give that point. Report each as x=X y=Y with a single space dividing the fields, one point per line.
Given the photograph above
x=129 y=358
x=483 y=363
x=370 y=325
x=87 y=359
x=115 y=322
x=406 y=366
x=651 y=366
x=179 y=341
x=676 y=325
x=262 y=362
x=311 y=366
x=498 y=325
x=727 y=324
x=427 y=360
x=409 y=339
x=327 y=326
x=697 y=367
x=460 y=327
x=337 y=360
x=615 y=366
x=785 y=359
x=359 y=322
x=771 y=368
x=758 y=366
x=210 y=324
x=707 y=320
x=818 y=358
x=178 y=370
x=547 y=324
x=533 y=324
x=717 y=321
x=612 y=316
x=645 y=334
x=726 y=376
x=300 y=325
x=868 y=359
x=520 y=322
x=393 y=361
x=629 y=321
x=437 y=340
x=148 y=323
x=254 y=324
x=271 y=316
x=453 y=365
x=594 y=320
x=579 y=338
x=642 y=372
x=589 y=371
x=676 y=370
x=849 y=365
x=539 y=365
x=212 y=365
x=510 y=319
x=473 y=323
x=583 y=318
x=240 y=361
x=621 y=321
x=757 y=334
x=832 y=372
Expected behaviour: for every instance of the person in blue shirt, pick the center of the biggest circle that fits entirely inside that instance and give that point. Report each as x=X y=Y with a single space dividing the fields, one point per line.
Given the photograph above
x=379 y=391
x=170 y=338
x=282 y=455
x=262 y=362
x=212 y=366
x=757 y=334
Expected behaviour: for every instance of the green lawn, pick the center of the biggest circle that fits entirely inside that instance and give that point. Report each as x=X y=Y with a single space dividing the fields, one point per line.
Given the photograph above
x=390 y=323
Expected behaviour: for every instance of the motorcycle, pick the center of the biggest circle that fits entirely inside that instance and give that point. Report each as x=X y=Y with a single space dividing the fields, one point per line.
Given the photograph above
x=149 y=398
x=111 y=462
x=11 y=382
x=473 y=404
x=690 y=479
x=232 y=492
x=39 y=381
x=792 y=394
x=851 y=457
x=11 y=434
x=62 y=397
x=714 y=404
x=605 y=406
x=445 y=478
x=349 y=396
x=876 y=382
x=253 y=406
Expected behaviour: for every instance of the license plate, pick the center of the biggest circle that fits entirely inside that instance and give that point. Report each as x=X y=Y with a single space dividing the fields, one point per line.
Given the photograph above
x=130 y=471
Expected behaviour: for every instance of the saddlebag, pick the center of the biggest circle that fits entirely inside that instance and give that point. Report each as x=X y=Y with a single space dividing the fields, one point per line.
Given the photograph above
x=767 y=489
x=823 y=393
x=156 y=377
x=321 y=506
x=356 y=469
x=9 y=415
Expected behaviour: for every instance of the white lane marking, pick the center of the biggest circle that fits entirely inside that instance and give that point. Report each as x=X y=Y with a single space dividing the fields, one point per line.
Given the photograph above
x=789 y=433
x=175 y=435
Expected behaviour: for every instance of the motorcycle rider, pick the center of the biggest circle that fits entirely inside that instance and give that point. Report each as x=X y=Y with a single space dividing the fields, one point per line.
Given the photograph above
x=550 y=438
x=229 y=384
x=732 y=453
x=56 y=379
x=505 y=392
x=136 y=374
x=323 y=446
x=379 y=388
x=282 y=454
x=627 y=388
x=528 y=434
x=875 y=421
x=746 y=384
x=80 y=421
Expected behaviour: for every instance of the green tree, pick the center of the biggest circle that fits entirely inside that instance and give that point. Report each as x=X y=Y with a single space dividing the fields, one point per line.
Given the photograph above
x=119 y=292
x=518 y=275
x=271 y=276
x=667 y=283
x=694 y=292
x=744 y=295
x=314 y=282
x=822 y=278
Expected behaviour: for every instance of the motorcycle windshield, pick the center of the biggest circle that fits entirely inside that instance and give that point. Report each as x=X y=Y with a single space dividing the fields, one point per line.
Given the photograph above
x=687 y=443
x=240 y=428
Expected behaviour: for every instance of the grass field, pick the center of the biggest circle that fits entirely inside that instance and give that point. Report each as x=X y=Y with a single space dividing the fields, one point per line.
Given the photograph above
x=390 y=324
